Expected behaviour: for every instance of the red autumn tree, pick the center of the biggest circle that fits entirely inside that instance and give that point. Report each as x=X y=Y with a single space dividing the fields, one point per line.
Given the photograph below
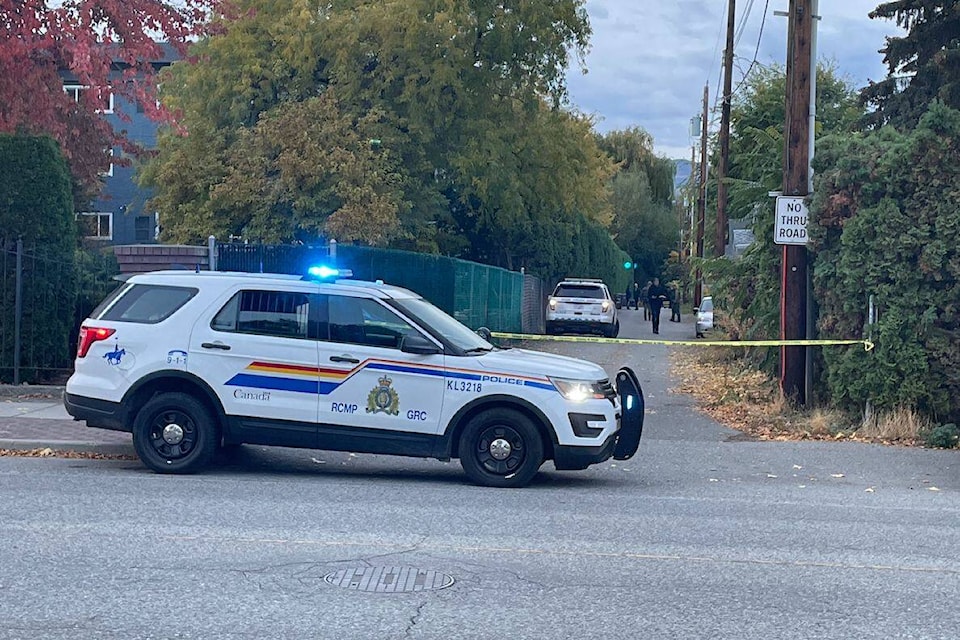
x=104 y=45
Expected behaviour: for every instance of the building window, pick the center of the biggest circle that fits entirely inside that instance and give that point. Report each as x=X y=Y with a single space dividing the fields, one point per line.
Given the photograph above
x=105 y=96
x=96 y=224
x=109 y=170
x=145 y=228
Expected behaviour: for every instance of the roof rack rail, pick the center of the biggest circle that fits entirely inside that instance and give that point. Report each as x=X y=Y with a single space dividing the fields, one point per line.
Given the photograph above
x=600 y=280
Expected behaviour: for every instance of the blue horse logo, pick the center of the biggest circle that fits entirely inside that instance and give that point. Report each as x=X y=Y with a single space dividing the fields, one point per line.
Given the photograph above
x=113 y=357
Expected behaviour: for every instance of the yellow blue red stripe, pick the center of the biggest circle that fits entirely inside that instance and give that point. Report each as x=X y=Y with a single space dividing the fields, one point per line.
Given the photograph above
x=322 y=380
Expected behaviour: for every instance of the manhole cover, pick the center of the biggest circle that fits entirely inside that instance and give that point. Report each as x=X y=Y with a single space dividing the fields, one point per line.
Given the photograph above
x=389 y=579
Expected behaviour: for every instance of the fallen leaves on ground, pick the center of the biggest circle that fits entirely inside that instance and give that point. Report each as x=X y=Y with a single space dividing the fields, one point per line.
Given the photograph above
x=63 y=453
x=749 y=401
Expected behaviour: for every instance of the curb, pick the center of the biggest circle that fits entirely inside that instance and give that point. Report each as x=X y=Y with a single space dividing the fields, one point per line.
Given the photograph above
x=30 y=390
x=70 y=445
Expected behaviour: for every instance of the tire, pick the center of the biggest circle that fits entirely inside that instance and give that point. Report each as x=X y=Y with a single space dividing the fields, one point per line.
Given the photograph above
x=551 y=329
x=517 y=439
x=191 y=434
x=612 y=331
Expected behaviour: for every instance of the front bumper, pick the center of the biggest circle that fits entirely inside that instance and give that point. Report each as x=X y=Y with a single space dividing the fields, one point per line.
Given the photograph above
x=575 y=458
x=573 y=318
x=580 y=323
x=622 y=444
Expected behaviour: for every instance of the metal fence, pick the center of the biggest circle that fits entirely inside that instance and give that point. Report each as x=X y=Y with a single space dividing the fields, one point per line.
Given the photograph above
x=37 y=309
x=534 y=304
x=269 y=258
x=478 y=295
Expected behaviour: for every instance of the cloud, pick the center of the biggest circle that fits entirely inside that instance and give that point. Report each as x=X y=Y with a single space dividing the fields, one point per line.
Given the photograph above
x=649 y=60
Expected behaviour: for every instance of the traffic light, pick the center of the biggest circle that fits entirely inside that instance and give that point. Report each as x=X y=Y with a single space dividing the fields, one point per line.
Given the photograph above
x=628 y=265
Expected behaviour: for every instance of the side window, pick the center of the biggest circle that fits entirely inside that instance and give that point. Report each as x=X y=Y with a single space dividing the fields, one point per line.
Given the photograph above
x=284 y=314
x=149 y=303
x=364 y=321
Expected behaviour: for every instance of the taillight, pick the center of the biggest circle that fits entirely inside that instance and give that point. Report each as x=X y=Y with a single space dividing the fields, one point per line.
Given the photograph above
x=89 y=335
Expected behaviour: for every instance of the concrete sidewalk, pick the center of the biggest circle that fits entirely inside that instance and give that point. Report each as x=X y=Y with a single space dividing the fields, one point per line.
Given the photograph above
x=33 y=417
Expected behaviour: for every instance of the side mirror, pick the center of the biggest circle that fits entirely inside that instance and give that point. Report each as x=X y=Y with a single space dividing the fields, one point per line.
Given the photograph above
x=696 y=309
x=484 y=333
x=419 y=345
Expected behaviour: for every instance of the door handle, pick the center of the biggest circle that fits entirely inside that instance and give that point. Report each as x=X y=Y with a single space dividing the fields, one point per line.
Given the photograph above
x=344 y=359
x=215 y=345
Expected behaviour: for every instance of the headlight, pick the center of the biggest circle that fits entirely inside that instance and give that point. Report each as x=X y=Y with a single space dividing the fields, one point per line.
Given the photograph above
x=606 y=305
x=578 y=390
x=553 y=303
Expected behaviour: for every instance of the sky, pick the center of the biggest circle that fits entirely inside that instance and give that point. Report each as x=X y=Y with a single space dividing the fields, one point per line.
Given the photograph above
x=649 y=59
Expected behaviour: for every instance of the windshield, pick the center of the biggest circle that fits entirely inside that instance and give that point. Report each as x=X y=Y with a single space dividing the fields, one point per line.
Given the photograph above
x=439 y=322
x=706 y=305
x=579 y=291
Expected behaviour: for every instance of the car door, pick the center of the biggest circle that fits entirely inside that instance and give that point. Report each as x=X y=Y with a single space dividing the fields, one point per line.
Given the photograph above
x=389 y=401
x=258 y=351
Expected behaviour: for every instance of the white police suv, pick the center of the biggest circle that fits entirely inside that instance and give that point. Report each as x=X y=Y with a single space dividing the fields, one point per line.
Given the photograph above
x=582 y=305
x=189 y=362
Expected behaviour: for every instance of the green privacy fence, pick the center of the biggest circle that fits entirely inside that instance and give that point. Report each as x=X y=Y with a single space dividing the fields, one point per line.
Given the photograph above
x=478 y=295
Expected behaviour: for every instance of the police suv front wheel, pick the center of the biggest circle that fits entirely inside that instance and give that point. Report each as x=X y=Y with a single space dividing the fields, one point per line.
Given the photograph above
x=174 y=433
x=501 y=448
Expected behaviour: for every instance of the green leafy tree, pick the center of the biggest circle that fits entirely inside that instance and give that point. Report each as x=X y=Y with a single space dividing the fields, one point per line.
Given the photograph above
x=475 y=157
x=923 y=64
x=888 y=226
x=748 y=288
x=645 y=223
x=307 y=169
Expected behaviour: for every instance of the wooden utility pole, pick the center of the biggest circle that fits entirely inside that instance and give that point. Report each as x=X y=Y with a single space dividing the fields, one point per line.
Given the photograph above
x=796 y=158
x=701 y=197
x=691 y=222
x=720 y=244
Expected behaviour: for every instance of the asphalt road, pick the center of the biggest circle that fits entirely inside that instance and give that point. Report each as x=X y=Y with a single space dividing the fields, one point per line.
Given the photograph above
x=704 y=534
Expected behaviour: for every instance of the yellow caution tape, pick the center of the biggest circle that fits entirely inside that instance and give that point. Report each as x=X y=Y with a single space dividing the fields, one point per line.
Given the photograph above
x=867 y=344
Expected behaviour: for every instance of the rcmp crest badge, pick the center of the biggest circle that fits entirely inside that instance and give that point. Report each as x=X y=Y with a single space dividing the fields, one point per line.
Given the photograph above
x=383 y=398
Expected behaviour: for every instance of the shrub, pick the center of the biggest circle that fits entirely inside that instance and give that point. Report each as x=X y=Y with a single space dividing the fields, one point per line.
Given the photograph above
x=944 y=436
x=36 y=206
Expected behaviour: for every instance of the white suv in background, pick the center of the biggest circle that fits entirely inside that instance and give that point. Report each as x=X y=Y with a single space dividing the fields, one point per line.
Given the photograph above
x=188 y=362
x=582 y=305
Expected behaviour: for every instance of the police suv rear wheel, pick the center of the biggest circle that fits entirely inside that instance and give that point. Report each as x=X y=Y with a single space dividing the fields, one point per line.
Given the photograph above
x=612 y=331
x=174 y=433
x=501 y=448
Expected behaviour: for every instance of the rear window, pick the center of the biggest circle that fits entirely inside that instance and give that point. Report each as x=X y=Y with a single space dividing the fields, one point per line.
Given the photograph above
x=149 y=303
x=107 y=301
x=579 y=291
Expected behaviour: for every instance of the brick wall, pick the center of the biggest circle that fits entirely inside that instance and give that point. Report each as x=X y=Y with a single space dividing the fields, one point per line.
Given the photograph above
x=139 y=258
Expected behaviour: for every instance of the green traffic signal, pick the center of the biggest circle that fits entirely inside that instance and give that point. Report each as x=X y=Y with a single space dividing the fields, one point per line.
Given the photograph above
x=627 y=265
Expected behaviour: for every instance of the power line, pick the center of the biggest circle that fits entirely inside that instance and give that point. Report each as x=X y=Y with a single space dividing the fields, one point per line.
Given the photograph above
x=756 y=51
x=743 y=24
x=716 y=47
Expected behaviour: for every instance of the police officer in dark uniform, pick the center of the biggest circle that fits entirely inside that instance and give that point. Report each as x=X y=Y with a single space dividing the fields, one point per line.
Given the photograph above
x=655 y=296
x=674 y=303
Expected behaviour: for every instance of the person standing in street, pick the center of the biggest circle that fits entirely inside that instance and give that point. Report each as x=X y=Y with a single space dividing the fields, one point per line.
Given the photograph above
x=628 y=295
x=643 y=300
x=636 y=295
x=674 y=303
x=655 y=297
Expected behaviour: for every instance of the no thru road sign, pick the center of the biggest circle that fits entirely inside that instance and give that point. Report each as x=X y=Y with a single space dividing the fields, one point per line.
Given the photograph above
x=790 y=226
